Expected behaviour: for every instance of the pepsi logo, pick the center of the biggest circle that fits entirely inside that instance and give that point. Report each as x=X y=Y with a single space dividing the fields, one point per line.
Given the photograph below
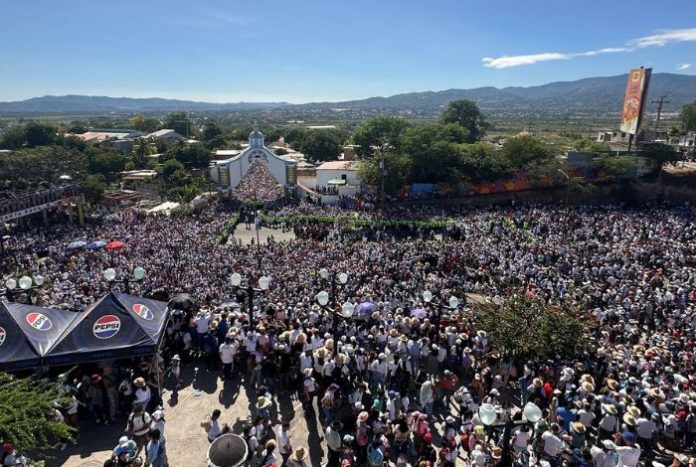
x=2 y=335
x=39 y=321
x=106 y=327
x=143 y=311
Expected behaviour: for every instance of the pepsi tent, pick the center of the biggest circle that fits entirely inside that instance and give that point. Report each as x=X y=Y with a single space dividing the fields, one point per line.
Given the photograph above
x=28 y=332
x=117 y=326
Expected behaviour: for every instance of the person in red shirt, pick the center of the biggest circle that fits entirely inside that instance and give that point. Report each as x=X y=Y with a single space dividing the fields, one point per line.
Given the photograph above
x=448 y=384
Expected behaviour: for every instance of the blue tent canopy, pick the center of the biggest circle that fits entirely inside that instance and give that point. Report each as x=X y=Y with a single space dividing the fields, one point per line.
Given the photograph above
x=117 y=326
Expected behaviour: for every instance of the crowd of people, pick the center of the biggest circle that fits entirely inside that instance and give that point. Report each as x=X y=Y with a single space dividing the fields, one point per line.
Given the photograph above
x=388 y=385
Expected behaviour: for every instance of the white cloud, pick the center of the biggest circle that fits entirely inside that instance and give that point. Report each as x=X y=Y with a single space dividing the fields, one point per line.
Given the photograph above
x=607 y=50
x=517 y=60
x=665 y=37
x=660 y=39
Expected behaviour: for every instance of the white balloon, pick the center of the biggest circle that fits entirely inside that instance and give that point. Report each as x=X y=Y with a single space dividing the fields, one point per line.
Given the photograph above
x=531 y=412
x=487 y=414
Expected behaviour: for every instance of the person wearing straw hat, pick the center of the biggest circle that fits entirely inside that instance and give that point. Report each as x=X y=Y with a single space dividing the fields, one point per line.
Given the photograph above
x=298 y=458
x=609 y=423
x=142 y=392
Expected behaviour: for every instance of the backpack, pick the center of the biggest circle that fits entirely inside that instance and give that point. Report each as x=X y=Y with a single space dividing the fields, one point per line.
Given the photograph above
x=207 y=423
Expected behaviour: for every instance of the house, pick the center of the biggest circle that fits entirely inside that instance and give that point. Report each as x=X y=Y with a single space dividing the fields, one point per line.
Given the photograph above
x=166 y=135
x=337 y=170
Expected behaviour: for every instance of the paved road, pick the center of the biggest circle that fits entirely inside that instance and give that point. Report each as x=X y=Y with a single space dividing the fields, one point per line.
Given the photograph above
x=246 y=236
x=187 y=443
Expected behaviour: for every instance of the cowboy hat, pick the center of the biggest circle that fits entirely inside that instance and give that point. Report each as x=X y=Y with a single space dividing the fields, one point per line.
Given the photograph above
x=140 y=382
x=587 y=386
x=341 y=359
x=497 y=452
x=301 y=338
x=263 y=402
x=629 y=419
x=393 y=332
x=578 y=427
x=609 y=408
x=481 y=333
x=612 y=384
x=633 y=410
x=300 y=454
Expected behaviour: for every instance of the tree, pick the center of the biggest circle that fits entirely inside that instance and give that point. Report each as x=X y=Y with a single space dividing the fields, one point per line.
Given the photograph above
x=39 y=134
x=620 y=167
x=145 y=124
x=191 y=155
x=13 y=138
x=467 y=114
x=482 y=162
x=525 y=150
x=433 y=152
x=179 y=122
x=169 y=168
x=26 y=408
x=212 y=130
x=378 y=131
x=321 y=145
x=94 y=187
x=688 y=117
x=47 y=164
x=142 y=149
x=525 y=327
x=77 y=128
x=587 y=145
x=105 y=162
x=397 y=168
x=660 y=154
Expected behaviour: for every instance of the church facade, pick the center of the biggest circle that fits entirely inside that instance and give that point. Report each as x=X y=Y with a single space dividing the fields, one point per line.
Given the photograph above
x=229 y=172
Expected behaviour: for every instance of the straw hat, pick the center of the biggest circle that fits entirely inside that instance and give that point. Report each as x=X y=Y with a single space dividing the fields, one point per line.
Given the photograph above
x=263 y=402
x=612 y=384
x=320 y=353
x=481 y=333
x=497 y=452
x=587 y=386
x=609 y=408
x=301 y=338
x=329 y=344
x=578 y=427
x=341 y=359
x=363 y=416
x=308 y=371
x=393 y=332
x=633 y=410
x=139 y=382
x=629 y=419
x=300 y=454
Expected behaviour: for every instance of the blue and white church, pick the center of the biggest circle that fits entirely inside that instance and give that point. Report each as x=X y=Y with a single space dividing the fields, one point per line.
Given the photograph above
x=229 y=172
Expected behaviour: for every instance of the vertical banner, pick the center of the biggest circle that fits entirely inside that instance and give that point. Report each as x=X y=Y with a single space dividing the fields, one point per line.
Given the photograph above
x=634 y=100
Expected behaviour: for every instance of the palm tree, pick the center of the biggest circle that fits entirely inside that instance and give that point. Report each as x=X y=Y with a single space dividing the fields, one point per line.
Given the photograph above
x=142 y=149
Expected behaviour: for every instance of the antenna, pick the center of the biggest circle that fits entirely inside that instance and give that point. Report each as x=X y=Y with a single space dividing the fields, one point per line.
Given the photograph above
x=659 y=112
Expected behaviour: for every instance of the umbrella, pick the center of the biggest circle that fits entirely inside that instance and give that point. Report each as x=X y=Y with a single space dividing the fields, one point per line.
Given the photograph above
x=96 y=244
x=183 y=301
x=228 y=450
x=115 y=245
x=76 y=245
x=366 y=308
x=419 y=313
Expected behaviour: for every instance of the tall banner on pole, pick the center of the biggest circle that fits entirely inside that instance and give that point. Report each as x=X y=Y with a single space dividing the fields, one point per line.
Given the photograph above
x=634 y=100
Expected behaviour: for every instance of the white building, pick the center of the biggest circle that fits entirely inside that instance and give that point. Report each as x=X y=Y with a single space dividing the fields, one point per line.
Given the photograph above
x=229 y=172
x=337 y=170
x=165 y=134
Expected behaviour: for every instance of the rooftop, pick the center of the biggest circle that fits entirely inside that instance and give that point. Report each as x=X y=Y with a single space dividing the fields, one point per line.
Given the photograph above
x=338 y=165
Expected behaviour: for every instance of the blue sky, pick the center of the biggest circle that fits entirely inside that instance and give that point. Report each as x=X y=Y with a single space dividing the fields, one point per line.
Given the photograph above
x=301 y=51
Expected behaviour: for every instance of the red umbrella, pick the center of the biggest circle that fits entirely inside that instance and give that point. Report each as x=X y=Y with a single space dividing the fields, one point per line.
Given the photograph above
x=115 y=245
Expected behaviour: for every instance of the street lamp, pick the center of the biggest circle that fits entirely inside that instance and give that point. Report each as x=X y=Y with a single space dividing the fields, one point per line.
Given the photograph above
x=453 y=303
x=25 y=284
x=323 y=298
x=110 y=276
x=489 y=417
x=264 y=283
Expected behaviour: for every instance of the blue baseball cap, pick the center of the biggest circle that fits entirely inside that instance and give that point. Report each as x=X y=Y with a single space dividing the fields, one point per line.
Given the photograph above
x=629 y=436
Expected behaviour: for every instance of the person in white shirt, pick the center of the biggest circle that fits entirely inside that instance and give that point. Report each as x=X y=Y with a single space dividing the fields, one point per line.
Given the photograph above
x=629 y=453
x=552 y=443
x=228 y=350
x=214 y=430
x=284 y=444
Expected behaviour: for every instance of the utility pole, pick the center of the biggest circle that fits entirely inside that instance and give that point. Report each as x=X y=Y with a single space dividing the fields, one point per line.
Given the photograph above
x=659 y=112
x=382 y=169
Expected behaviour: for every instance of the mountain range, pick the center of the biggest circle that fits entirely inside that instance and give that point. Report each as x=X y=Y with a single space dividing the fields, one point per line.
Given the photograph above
x=596 y=96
